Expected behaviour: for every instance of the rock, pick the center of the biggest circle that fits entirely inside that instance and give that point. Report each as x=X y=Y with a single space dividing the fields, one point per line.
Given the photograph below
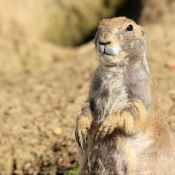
x=56 y=18
x=23 y=46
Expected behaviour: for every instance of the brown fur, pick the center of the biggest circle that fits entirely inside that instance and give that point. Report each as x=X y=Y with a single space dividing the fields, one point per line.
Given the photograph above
x=121 y=129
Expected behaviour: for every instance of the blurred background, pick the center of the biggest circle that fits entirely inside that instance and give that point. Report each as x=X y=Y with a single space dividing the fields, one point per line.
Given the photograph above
x=47 y=59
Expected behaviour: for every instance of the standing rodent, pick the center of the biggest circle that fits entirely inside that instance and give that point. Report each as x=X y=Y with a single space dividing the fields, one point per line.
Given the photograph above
x=121 y=129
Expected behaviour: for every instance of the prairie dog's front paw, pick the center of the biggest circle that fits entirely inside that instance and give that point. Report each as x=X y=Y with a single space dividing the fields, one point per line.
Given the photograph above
x=82 y=126
x=107 y=126
x=121 y=120
x=129 y=119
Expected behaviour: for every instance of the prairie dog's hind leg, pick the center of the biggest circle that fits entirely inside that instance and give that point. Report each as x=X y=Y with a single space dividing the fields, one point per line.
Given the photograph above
x=82 y=161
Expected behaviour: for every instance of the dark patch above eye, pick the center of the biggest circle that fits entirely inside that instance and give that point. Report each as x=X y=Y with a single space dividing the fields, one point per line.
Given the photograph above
x=129 y=28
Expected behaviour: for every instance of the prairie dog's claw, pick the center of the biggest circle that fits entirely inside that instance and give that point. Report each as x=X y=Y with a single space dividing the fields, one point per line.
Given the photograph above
x=104 y=131
x=81 y=133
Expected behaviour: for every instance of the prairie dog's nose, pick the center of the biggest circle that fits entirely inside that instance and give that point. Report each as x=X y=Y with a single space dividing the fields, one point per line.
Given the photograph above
x=105 y=39
x=104 y=43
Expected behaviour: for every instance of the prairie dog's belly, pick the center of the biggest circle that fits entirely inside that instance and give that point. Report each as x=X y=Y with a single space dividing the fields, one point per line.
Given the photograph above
x=118 y=154
x=104 y=157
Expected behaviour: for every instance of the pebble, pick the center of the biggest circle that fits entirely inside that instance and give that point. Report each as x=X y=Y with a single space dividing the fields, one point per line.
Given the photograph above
x=170 y=64
x=57 y=131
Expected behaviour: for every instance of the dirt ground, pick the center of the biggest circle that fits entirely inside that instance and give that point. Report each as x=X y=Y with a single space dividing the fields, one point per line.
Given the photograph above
x=38 y=107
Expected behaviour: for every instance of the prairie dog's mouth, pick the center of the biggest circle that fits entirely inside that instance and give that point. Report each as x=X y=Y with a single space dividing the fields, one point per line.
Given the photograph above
x=109 y=53
x=106 y=50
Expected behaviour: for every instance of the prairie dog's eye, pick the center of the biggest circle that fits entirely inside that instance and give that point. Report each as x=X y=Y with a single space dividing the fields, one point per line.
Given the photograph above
x=129 y=28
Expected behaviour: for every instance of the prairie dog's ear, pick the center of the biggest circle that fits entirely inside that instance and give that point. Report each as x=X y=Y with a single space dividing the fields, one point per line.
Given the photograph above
x=96 y=37
x=143 y=33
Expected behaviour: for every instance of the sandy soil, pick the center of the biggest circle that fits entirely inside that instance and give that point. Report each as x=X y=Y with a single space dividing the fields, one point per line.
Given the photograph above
x=38 y=108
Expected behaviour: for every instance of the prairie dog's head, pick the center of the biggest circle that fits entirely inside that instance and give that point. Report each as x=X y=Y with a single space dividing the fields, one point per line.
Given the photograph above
x=118 y=40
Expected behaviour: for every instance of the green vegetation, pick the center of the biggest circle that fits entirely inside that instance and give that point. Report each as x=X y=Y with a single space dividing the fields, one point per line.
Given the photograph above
x=73 y=171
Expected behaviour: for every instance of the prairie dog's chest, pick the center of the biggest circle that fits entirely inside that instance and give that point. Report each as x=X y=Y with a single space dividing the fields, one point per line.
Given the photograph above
x=108 y=94
x=108 y=83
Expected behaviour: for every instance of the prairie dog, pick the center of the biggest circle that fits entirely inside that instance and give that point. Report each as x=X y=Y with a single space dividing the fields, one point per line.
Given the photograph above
x=121 y=129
